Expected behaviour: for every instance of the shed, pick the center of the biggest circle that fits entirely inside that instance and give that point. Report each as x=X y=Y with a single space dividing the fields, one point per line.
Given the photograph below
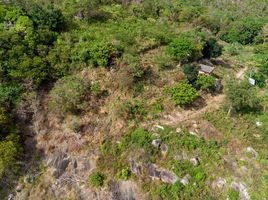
x=205 y=69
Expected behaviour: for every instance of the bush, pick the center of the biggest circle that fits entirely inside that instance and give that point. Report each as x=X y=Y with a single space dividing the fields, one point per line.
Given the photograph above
x=132 y=110
x=234 y=49
x=141 y=138
x=233 y=194
x=244 y=31
x=9 y=149
x=212 y=49
x=124 y=174
x=50 y=17
x=69 y=94
x=3 y=117
x=241 y=96
x=184 y=48
x=9 y=94
x=206 y=82
x=260 y=79
x=182 y=93
x=101 y=54
x=191 y=72
x=96 y=179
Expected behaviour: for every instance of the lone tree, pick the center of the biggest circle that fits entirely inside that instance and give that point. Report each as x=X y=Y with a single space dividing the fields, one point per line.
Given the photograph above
x=241 y=96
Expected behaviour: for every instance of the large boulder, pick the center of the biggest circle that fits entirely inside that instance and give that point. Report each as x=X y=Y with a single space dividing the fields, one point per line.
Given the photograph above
x=60 y=162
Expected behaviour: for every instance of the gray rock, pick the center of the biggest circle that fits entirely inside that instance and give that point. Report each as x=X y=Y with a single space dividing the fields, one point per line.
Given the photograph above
x=195 y=161
x=79 y=15
x=154 y=172
x=241 y=188
x=168 y=177
x=164 y=149
x=60 y=162
x=157 y=143
x=135 y=168
x=178 y=130
x=220 y=183
x=252 y=151
x=185 y=180
x=258 y=123
x=159 y=127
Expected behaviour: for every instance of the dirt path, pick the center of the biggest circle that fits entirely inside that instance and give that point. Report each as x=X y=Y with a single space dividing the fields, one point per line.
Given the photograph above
x=240 y=74
x=212 y=103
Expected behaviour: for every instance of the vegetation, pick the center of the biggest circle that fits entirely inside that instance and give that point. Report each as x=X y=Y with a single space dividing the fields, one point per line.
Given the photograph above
x=206 y=82
x=69 y=94
x=96 y=179
x=241 y=96
x=184 y=48
x=100 y=79
x=182 y=93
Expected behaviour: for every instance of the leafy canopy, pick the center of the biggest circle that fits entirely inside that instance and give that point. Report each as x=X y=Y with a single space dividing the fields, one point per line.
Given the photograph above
x=182 y=93
x=184 y=48
x=206 y=82
x=241 y=96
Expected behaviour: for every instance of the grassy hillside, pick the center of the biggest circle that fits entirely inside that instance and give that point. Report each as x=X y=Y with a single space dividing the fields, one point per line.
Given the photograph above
x=106 y=99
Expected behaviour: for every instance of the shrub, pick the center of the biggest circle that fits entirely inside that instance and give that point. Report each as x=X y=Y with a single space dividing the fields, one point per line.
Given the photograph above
x=206 y=82
x=264 y=69
x=50 y=17
x=124 y=174
x=96 y=179
x=3 y=116
x=244 y=31
x=191 y=72
x=241 y=96
x=212 y=49
x=233 y=194
x=101 y=53
x=9 y=94
x=9 y=149
x=183 y=48
x=234 y=49
x=69 y=94
x=132 y=110
x=141 y=137
x=260 y=79
x=182 y=93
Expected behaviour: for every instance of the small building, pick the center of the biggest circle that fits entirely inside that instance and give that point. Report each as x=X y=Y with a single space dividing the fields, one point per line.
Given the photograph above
x=205 y=69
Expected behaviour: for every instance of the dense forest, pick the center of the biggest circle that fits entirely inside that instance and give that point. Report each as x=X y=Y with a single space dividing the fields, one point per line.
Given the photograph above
x=133 y=99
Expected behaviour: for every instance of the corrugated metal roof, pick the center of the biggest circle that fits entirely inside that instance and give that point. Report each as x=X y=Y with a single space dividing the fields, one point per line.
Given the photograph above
x=206 y=68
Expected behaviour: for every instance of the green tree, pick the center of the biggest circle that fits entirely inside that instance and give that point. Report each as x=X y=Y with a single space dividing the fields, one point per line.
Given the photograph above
x=191 y=72
x=212 y=49
x=241 y=96
x=244 y=31
x=51 y=17
x=24 y=24
x=9 y=149
x=182 y=93
x=9 y=94
x=206 y=82
x=184 y=48
x=101 y=53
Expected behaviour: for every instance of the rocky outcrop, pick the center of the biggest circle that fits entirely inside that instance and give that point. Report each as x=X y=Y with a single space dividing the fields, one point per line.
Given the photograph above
x=241 y=188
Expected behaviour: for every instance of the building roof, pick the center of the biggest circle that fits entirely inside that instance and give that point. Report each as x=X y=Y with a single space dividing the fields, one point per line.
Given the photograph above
x=206 y=68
